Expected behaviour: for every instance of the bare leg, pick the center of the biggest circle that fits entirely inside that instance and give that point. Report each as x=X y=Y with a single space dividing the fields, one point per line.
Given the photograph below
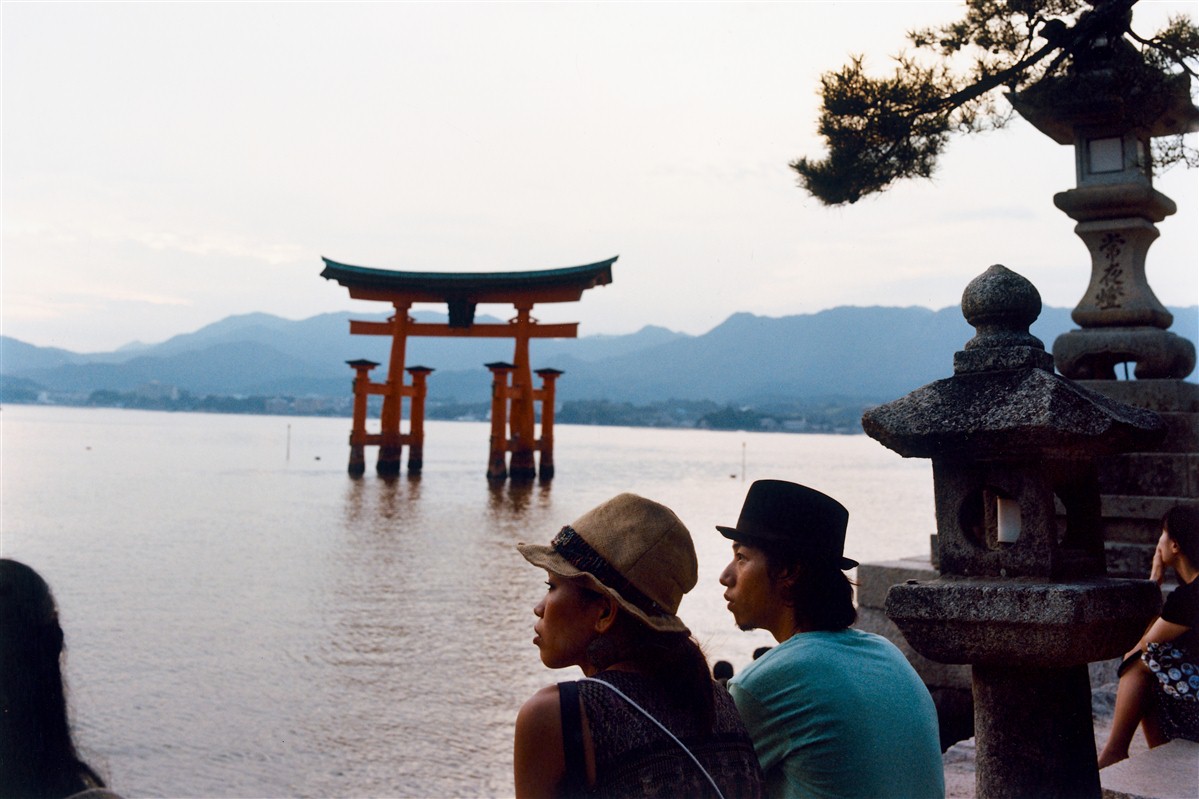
x=1151 y=725
x=1134 y=696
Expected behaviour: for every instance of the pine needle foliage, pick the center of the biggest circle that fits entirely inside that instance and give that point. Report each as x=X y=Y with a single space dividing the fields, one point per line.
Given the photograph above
x=952 y=80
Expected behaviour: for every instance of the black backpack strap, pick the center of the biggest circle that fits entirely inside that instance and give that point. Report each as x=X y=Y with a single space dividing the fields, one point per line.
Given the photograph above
x=574 y=782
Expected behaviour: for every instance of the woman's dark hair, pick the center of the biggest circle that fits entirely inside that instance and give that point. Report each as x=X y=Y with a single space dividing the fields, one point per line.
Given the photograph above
x=1182 y=525
x=37 y=756
x=821 y=594
x=673 y=660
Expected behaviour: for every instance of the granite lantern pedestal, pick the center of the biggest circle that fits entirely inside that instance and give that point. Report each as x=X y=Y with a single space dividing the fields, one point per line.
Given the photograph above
x=1022 y=597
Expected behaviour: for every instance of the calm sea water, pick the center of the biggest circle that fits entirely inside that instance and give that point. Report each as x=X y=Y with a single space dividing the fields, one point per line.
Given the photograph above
x=243 y=619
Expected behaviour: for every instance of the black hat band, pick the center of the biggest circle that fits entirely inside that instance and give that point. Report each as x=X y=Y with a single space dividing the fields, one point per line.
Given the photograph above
x=575 y=549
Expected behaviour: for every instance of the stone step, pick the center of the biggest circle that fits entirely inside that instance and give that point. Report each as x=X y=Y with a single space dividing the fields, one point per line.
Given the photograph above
x=1169 y=396
x=1170 y=771
x=1132 y=531
x=1154 y=474
x=875 y=579
x=1182 y=432
x=1134 y=519
x=1128 y=560
x=1141 y=507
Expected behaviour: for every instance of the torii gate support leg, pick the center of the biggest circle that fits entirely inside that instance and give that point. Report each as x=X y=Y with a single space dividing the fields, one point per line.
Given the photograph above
x=391 y=446
x=546 y=443
x=416 y=434
x=362 y=370
x=522 y=466
x=497 y=468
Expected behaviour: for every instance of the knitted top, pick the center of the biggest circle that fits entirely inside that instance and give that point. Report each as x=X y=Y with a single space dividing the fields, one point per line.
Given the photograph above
x=635 y=758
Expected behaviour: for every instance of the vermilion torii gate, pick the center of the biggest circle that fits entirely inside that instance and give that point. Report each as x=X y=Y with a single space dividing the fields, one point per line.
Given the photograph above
x=513 y=394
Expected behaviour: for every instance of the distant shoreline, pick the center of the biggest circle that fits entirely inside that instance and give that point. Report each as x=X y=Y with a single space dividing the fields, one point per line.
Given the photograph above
x=828 y=419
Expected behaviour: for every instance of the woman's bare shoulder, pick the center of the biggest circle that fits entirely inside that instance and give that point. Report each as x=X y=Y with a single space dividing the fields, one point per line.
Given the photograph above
x=541 y=707
x=538 y=759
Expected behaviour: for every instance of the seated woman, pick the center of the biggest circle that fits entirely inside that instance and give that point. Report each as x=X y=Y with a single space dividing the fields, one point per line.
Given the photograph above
x=1159 y=679
x=37 y=756
x=647 y=719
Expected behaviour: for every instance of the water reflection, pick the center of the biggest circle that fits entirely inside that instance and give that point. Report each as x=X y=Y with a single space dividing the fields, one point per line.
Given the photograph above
x=516 y=495
x=428 y=614
x=274 y=629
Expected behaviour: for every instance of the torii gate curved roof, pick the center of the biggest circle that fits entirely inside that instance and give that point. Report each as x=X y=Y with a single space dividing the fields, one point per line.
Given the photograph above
x=546 y=285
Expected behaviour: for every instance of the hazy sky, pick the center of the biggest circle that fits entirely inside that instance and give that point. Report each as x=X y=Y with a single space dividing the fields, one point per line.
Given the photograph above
x=168 y=164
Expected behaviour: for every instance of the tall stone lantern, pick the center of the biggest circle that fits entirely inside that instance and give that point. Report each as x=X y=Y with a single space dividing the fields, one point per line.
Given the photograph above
x=1109 y=106
x=1023 y=596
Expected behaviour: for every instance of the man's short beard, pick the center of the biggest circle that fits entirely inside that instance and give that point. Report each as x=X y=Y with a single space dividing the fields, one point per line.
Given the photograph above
x=746 y=627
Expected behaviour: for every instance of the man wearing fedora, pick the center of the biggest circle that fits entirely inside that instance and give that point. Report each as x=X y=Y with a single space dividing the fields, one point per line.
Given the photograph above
x=832 y=711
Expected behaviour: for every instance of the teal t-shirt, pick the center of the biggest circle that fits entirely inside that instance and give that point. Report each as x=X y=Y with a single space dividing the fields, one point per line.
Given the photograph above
x=841 y=714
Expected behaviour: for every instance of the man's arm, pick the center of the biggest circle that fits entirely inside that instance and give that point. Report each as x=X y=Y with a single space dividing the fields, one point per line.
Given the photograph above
x=764 y=730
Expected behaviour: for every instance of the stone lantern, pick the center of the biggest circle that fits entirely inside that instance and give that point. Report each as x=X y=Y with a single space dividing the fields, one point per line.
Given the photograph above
x=1109 y=105
x=1023 y=596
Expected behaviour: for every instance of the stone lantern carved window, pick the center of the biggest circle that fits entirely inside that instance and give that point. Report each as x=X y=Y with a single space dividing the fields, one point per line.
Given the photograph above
x=1009 y=520
x=1106 y=155
x=990 y=518
x=1111 y=158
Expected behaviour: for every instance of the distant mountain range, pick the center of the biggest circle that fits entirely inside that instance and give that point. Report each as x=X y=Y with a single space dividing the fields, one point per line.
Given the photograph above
x=866 y=355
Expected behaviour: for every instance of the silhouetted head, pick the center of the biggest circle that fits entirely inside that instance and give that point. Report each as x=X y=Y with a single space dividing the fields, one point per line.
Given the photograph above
x=28 y=616
x=37 y=756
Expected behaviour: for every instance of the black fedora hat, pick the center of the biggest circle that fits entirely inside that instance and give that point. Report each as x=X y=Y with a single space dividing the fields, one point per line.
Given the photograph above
x=792 y=518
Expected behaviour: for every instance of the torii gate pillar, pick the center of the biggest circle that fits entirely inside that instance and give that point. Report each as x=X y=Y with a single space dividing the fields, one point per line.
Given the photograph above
x=546 y=443
x=358 y=435
x=391 y=442
x=416 y=424
x=521 y=406
x=508 y=413
x=501 y=376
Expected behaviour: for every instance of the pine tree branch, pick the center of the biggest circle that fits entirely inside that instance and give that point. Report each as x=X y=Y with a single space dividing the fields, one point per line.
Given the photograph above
x=1082 y=31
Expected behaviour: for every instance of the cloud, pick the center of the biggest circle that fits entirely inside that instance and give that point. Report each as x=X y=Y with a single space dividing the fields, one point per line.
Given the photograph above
x=24 y=307
x=272 y=253
x=115 y=294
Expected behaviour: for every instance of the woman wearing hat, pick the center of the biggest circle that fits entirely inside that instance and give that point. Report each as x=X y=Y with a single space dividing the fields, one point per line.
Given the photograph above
x=1159 y=678
x=647 y=719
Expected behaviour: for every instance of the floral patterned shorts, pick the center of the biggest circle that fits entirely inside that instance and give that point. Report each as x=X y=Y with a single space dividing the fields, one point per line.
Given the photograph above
x=1178 y=683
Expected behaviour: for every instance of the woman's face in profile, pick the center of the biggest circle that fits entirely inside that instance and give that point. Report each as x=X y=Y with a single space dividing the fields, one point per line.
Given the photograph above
x=1167 y=549
x=566 y=618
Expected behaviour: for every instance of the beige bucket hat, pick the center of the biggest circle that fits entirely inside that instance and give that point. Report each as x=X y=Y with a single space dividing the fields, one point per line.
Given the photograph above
x=631 y=548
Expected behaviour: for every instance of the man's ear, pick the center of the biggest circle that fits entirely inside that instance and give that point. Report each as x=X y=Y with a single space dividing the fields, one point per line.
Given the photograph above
x=607 y=616
x=785 y=579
